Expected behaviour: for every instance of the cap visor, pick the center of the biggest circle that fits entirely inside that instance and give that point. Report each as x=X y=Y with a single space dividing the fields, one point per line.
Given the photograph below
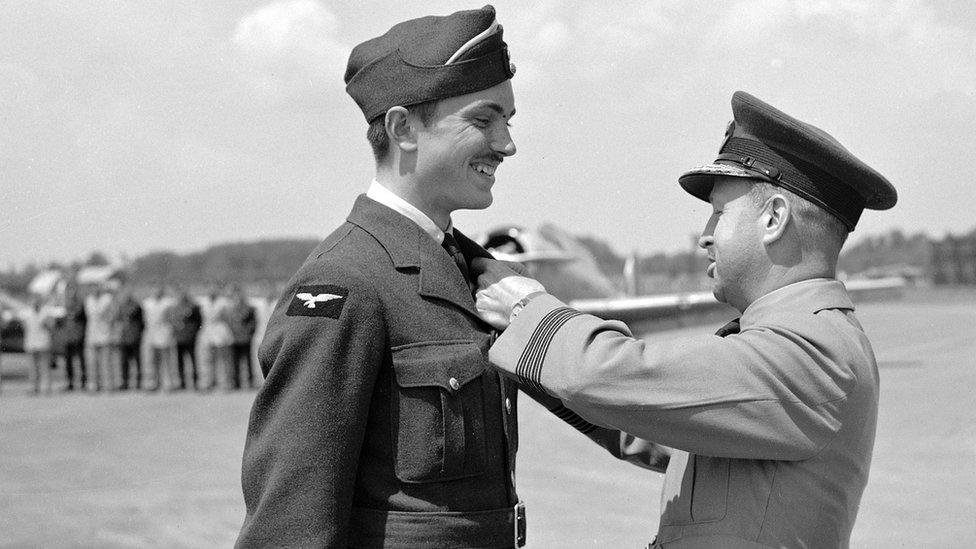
x=698 y=181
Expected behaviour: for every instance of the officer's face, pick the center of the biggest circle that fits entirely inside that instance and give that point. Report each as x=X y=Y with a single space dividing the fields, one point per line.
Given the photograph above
x=459 y=150
x=732 y=238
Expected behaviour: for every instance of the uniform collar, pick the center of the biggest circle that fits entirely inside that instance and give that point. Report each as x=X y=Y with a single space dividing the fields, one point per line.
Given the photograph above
x=807 y=296
x=391 y=200
x=409 y=246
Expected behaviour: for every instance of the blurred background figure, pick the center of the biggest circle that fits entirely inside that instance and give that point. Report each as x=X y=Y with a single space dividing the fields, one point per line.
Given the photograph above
x=57 y=341
x=264 y=305
x=38 y=321
x=240 y=318
x=99 y=309
x=114 y=344
x=159 y=336
x=129 y=325
x=73 y=338
x=184 y=317
x=215 y=336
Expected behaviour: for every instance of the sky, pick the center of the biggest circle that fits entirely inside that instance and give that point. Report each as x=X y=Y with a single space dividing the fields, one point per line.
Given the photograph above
x=136 y=126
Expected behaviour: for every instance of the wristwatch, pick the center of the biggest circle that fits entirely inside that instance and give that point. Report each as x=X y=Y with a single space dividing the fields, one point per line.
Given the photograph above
x=520 y=304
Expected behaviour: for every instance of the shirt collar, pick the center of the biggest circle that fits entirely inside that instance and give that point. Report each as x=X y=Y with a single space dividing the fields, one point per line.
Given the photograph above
x=389 y=199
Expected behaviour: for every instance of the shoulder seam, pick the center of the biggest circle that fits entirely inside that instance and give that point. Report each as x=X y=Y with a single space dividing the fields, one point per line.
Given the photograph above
x=349 y=227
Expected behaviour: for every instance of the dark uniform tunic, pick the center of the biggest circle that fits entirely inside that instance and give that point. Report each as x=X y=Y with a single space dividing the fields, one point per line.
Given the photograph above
x=380 y=423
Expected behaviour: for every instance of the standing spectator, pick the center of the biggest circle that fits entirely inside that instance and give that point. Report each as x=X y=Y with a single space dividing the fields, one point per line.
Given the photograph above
x=57 y=336
x=99 y=310
x=73 y=334
x=38 y=320
x=241 y=320
x=159 y=335
x=184 y=317
x=215 y=335
x=263 y=307
x=114 y=345
x=129 y=324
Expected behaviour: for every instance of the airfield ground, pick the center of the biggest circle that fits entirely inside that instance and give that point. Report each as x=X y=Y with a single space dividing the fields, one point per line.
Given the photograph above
x=162 y=470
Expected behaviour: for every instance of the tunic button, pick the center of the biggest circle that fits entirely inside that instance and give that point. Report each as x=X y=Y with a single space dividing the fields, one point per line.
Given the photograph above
x=508 y=405
x=453 y=382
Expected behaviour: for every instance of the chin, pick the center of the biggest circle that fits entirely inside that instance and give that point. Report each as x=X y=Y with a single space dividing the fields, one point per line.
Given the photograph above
x=481 y=202
x=718 y=293
x=718 y=296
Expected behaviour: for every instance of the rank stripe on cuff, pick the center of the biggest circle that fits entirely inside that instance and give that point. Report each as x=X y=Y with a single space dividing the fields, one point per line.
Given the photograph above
x=573 y=419
x=529 y=367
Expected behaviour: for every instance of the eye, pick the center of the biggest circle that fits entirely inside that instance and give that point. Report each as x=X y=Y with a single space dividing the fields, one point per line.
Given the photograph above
x=482 y=122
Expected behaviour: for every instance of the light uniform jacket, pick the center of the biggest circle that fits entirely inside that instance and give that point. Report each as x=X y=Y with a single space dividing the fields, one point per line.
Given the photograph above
x=776 y=423
x=380 y=423
x=263 y=307
x=215 y=331
x=99 y=310
x=159 y=332
x=37 y=328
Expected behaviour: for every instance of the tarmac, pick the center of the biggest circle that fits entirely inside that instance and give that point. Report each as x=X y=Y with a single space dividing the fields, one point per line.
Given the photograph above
x=163 y=469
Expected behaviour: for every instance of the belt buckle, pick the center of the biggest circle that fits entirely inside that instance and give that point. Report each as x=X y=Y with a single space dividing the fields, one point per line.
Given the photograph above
x=519 y=524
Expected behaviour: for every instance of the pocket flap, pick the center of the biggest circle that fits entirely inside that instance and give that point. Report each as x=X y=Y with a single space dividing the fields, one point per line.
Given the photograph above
x=437 y=363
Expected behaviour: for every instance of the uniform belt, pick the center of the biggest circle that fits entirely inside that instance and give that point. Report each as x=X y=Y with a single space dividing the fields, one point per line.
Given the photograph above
x=495 y=528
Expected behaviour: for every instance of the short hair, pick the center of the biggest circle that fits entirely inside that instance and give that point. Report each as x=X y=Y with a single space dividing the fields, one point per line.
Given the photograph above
x=815 y=224
x=376 y=132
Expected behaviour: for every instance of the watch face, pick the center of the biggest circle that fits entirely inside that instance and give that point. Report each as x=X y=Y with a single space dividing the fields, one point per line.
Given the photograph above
x=517 y=308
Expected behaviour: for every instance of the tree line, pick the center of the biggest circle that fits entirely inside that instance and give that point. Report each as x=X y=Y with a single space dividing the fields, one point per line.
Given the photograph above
x=275 y=260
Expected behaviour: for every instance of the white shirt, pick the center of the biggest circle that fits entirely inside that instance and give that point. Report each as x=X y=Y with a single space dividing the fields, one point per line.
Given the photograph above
x=215 y=331
x=37 y=336
x=158 y=331
x=387 y=198
x=98 y=308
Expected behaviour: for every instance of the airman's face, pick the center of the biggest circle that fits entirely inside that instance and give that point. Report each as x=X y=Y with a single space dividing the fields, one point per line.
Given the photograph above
x=461 y=147
x=733 y=240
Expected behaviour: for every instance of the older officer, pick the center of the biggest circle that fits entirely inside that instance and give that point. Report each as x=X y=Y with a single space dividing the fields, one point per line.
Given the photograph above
x=776 y=419
x=380 y=423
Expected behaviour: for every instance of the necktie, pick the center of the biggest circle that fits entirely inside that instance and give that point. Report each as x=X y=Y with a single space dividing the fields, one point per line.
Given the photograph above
x=451 y=245
x=729 y=329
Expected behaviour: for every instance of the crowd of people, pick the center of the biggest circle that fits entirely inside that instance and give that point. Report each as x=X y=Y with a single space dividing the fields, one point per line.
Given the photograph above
x=108 y=340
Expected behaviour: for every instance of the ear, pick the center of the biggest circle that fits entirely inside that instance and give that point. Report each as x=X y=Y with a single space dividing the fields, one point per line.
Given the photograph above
x=400 y=129
x=776 y=215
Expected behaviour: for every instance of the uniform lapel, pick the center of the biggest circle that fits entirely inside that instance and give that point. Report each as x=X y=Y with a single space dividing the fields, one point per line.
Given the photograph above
x=409 y=246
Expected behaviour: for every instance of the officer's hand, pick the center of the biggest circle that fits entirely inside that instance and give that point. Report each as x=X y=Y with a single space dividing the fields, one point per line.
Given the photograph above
x=500 y=287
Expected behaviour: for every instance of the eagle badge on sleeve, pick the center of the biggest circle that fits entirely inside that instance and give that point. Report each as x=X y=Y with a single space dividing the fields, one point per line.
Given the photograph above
x=318 y=300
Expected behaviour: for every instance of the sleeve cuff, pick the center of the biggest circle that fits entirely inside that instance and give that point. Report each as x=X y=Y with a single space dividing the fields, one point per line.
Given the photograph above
x=521 y=349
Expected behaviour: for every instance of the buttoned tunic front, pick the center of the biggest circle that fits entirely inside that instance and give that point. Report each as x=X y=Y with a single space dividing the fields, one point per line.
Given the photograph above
x=380 y=425
x=775 y=424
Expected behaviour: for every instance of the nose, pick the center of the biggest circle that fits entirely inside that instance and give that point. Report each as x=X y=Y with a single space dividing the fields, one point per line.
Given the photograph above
x=705 y=241
x=503 y=143
x=707 y=237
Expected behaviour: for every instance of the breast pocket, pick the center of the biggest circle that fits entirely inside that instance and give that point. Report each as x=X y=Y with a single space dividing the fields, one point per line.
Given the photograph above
x=704 y=491
x=438 y=411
